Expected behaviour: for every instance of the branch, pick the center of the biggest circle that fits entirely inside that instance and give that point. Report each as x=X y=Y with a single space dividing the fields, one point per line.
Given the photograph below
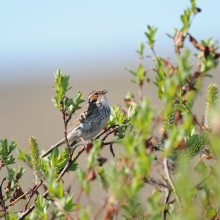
x=77 y=202
x=65 y=128
x=194 y=118
x=65 y=169
x=63 y=210
x=2 y=201
x=24 y=214
x=140 y=91
x=113 y=126
x=168 y=192
x=170 y=180
x=33 y=191
x=103 y=205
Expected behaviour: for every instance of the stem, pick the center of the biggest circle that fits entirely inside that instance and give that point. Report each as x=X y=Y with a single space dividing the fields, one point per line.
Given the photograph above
x=113 y=126
x=63 y=210
x=77 y=202
x=154 y=52
x=90 y=203
x=170 y=180
x=2 y=201
x=33 y=191
x=24 y=214
x=104 y=203
x=194 y=118
x=168 y=192
x=140 y=92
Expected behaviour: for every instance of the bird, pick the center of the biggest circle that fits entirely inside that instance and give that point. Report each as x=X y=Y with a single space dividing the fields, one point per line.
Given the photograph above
x=90 y=122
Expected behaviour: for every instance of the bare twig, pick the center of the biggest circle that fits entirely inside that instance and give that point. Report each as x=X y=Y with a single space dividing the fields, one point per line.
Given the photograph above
x=194 y=118
x=140 y=92
x=2 y=201
x=154 y=182
x=33 y=191
x=63 y=210
x=65 y=169
x=70 y=184
x=20 y=197
x=65 y=128
x=77 y=201
x=113 y=126
x=168 y=192
x=170 y=180
x=104 y=203
x=90 y=203
x=69 y=163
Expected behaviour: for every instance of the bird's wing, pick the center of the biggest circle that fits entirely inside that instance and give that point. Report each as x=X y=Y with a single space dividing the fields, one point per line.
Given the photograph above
x=85 y=115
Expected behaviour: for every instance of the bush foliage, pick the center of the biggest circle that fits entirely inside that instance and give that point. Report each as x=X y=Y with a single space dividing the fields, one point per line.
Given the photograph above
x=179 y=188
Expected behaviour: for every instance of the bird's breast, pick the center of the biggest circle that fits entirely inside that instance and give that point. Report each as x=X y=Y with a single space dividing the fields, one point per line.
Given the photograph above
x=95 y=123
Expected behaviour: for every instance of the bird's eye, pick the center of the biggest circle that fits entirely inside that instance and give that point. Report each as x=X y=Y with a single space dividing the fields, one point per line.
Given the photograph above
x=96 y=93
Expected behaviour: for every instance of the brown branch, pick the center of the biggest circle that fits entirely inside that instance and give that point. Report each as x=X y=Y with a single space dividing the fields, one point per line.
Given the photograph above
x=63 y=210
x=65 y=128
x=65 y=169
x=140 y=91
x=2 y=201
x=113 y=126
x=103 y=205
x=20 y=197
x=154 y=182
x=203 y=48
x=90 y=203
x=70 y=184
x=77 y=201
x=166 y=202
x=194 y=118
x=69 y=163
x=33 y=191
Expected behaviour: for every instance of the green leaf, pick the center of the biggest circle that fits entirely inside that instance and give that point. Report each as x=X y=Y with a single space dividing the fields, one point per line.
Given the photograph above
x=13 y=145
x=11 y=172
x=169 y=35
x=200 y=168
x=192 y=139
x=181 y=107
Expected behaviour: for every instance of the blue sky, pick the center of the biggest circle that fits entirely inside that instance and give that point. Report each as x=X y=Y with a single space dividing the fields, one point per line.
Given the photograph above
x=37 y=37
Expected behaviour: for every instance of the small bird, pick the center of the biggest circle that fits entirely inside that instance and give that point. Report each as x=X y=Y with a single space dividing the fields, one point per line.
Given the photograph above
x=90 y=122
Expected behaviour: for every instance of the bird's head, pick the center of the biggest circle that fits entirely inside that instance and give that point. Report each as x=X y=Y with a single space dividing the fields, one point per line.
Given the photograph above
x=97 y=97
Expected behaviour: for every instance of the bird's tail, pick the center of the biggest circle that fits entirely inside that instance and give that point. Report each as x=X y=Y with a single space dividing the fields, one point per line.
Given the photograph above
x=62 y=141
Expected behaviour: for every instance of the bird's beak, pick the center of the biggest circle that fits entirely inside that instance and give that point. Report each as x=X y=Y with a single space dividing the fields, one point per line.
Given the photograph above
x=104 y=91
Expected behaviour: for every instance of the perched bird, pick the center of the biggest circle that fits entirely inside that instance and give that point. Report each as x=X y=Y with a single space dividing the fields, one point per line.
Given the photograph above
x=90 y=122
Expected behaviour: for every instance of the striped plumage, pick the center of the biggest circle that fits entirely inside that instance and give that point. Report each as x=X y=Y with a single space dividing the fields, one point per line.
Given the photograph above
x=90 y=122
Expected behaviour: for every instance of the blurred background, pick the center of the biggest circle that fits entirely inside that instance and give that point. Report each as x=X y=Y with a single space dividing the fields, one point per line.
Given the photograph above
x=93 y=41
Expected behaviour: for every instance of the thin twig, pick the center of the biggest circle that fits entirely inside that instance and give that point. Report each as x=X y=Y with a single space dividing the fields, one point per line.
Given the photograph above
x=69 y=163
x=112 y=131
x=33 y=191
x=140 y=92
x=77 y=201
x=104 y=203
x=2 y=201
x=90 y=203
x=62 y=209
x=20 y=197
x=113 y=126
x=152 y=181
x=194 y=118
x=70 y=183
x=154 y=53
x=65 y=128
x=170 y=180
x=168 y=192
